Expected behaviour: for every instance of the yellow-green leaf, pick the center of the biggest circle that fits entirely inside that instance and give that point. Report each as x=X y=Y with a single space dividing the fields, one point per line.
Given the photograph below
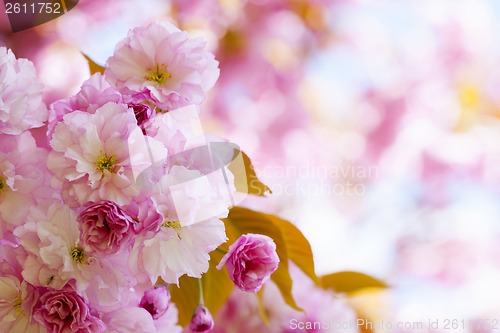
x=284 y=282
x=350 y=282
x=93 y=67
x=248 y=221
x=231 y=233
x=217 y=287
x=252 y=184
x=298 y=247
x=362 y=323
x=261 y=307
x=185 y=298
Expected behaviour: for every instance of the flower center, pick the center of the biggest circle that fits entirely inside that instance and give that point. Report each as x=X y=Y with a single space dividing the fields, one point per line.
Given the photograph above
x=158 y=74
x=78 y=255
x=176 y=225
x=18 y=309
x=3 y=185
x=105 y=162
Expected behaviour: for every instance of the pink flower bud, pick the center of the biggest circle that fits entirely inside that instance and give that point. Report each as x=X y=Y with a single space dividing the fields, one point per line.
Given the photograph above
x=142 y=113
x=156 y=301
x=202 y=320
x=250 y=261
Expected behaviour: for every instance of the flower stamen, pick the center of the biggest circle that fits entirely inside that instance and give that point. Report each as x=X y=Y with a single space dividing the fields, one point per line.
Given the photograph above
x=176 y=225
x=18 y=309
x=78 y=255
x=158 y=74
x=105 y=162
x=3 y=185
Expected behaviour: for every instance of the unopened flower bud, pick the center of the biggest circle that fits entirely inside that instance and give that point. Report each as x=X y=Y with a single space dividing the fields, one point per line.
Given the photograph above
x=202 y=320
x=156 y=301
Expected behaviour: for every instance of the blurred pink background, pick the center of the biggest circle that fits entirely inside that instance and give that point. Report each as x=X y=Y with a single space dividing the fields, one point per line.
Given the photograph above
x=375 y=123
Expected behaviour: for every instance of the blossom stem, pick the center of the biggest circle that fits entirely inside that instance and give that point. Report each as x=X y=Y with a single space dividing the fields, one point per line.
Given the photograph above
x=221 y=251
x=200 y=288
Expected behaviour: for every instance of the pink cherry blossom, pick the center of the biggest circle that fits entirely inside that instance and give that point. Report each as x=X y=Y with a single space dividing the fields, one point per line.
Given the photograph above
x=131 y=319
x=136 y=319
x=15 y=309
x=56 y=256
x=23 y=178
x=250 y=261
x=99 y=156
x=175 y=250
x=105 y=227
x=65 y=311
x=94 y=93
x=52 y=240
x=21 y=105
x=168 y=322
x=17 y=297
x=143 y=210
x=189 y=196
x=179 y=129
x=148 y=310
x=162 y=64
x=191 y=205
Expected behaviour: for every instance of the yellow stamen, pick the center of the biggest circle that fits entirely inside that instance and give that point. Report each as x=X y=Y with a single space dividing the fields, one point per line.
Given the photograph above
x=78 y=255
x=18 y=309
x=158 y=74
x=3 y=185
x=176 y=225
x=105 y=162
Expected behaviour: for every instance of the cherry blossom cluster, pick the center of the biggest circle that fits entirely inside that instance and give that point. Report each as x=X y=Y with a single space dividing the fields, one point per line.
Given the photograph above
x=120 y=197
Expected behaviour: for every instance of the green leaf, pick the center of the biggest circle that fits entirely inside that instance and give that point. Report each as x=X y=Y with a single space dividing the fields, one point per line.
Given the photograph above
x=246 y=180
x=298 y=247
x=350 y=282
x=248 y=221
x=93 y=67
